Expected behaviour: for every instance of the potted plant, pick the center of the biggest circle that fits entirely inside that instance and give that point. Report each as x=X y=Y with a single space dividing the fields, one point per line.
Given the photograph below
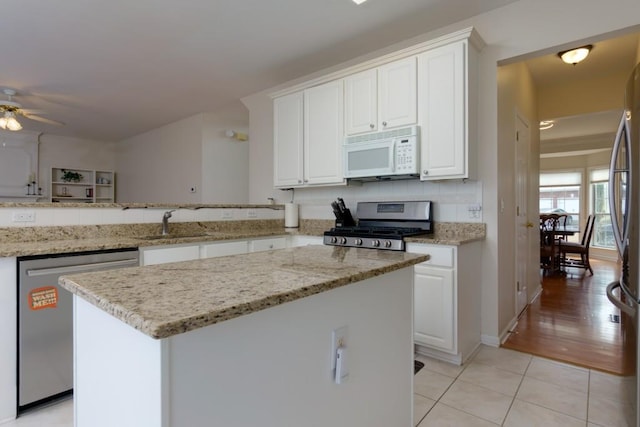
x=71 y=176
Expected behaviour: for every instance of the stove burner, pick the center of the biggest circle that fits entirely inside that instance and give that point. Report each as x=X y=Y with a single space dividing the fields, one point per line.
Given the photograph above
x=394 y=232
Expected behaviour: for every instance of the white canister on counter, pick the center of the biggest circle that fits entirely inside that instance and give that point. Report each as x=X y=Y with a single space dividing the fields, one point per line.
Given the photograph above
x=291 y=215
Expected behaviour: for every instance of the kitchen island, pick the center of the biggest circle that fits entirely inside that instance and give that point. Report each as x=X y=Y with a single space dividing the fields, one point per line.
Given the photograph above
x=246 y=340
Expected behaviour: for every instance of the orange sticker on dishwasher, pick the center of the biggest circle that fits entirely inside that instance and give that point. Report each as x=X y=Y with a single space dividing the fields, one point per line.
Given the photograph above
x=46 y=297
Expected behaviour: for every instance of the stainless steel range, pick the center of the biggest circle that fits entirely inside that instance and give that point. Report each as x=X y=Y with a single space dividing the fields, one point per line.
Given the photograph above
x=381 y=225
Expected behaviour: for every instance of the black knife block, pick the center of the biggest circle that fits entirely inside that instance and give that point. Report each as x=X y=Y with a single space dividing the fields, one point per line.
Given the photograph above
x=346 y=220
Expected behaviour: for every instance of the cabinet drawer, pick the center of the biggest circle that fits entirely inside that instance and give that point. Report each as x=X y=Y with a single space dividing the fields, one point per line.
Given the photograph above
x=223 y=249
x=268 y=244
x=439 y=255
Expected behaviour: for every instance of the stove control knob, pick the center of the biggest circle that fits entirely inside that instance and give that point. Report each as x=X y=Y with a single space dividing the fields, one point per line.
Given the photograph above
x=333 y=239
x=387 y=244
x=343 y=240
x=358 y=242
x=375 y=243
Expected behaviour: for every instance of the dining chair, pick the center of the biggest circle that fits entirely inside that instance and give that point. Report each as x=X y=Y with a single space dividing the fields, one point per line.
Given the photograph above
x=580 y=251
x=549 y=246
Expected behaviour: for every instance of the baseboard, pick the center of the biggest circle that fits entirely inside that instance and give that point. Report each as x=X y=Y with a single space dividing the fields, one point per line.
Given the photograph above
x=490 y=340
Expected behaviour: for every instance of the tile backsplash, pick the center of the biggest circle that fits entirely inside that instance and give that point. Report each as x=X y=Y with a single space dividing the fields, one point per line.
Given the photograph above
x=452 y=200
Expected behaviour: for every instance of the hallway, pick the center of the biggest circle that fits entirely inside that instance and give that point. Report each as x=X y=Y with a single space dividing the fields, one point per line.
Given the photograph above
x=571 y=321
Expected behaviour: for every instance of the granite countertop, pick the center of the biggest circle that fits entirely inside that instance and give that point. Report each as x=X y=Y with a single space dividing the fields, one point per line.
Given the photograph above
x=26 y=241
x=169 y=299
x=452 y=233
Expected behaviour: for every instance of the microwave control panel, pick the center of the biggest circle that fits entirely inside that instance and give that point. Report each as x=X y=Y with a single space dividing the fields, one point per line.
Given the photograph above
x=406 y=155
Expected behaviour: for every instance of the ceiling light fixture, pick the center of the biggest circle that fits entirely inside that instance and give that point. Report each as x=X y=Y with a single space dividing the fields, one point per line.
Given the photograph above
x=576 y=55
x=546 y=124
x=359 y=1
x=8 y=121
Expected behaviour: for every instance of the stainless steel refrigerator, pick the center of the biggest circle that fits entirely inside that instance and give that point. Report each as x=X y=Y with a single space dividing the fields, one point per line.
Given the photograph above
x=624 y=192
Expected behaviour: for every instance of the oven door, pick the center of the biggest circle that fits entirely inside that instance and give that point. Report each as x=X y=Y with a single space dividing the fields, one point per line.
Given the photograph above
x=369 y=159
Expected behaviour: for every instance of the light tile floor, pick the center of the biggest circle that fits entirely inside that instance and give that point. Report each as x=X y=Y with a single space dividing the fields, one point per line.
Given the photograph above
x=497 y=387
x=512 y=389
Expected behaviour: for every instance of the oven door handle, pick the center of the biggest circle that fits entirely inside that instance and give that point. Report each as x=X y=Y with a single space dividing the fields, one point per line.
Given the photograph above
x=624 y=307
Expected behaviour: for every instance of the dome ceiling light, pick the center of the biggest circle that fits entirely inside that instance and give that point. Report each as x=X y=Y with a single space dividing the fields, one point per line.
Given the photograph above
x=576 y=55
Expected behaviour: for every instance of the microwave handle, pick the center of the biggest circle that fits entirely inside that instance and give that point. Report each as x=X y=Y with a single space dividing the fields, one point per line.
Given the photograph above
x=393 y=154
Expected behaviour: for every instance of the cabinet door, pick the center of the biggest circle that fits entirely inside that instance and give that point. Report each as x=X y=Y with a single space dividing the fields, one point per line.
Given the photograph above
x=323 y=133
x=170 y=254
x=397 y=91
x=361 y=102
x=441 y=85
x=268 y=244
x=288 y=135
x=223 y=249
x=434 y=310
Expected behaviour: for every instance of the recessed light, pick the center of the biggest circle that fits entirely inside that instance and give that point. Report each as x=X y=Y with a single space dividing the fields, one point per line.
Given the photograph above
x=546 y=124
x=359 y=1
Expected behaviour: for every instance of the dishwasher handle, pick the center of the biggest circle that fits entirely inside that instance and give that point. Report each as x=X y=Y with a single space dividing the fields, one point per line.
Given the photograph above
x=130 y=262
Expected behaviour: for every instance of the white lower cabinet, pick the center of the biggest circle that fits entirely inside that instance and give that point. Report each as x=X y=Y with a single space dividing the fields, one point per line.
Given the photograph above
x=267 y=244
x=434 y=301
x=212 y=250
x=447 y=301
x=175 y=253
x=161 y=255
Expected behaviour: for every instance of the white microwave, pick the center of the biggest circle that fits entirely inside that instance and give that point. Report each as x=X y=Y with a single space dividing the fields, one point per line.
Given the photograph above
x=382 y=155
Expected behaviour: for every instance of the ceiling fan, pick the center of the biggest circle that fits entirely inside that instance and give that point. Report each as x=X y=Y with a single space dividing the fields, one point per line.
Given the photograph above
x=9 y=110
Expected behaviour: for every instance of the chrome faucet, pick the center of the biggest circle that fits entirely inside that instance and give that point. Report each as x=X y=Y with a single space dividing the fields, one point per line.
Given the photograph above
x=165 y=222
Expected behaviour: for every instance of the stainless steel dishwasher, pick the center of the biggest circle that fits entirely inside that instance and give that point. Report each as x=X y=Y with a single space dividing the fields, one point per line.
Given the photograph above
x=45 y=320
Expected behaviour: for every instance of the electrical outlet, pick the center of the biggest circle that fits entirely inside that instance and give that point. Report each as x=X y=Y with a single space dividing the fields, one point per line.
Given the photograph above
x=227 y=214
x=338 y=339
x=252 y=213
x=193 y=189
x=24 y=216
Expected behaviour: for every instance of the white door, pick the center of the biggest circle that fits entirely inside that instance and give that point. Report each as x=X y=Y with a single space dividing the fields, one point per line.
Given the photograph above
x=324 y=133
x=441 y=83
x=287 y=136
x=434 y=307
x=523 y=224
x=361 y=102
x=398 y=96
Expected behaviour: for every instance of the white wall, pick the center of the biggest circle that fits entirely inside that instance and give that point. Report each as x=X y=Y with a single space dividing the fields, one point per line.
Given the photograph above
x=160 y=166
x=517 y=95
x=527 y=27
x=225 y=161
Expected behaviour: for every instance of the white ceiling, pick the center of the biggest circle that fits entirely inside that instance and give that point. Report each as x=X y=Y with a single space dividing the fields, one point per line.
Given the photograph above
x=609 y=56
x=114 y=69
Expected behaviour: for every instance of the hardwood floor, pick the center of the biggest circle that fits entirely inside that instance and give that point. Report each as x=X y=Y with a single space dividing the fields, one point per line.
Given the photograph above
x=570 y=321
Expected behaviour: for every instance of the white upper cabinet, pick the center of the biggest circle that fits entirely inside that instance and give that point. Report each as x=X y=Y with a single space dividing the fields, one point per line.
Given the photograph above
x=288 y=135
x=361 y=100
x=308 y=135
x=381 y=98
x=397 y=100
x=446 y=104
x=323 y=133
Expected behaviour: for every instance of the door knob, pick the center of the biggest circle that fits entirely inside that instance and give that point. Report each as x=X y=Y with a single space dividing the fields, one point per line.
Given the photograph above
x=529 y=224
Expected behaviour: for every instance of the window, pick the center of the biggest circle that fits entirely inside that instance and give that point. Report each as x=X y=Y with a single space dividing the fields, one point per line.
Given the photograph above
x=602 y=231
x=560 y=193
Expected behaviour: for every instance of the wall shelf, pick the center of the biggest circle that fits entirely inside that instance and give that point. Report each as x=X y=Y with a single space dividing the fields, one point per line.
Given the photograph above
x=95 y=186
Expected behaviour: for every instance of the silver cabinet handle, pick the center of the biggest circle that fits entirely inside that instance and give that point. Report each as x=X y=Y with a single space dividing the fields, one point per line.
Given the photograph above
x=384 y=123
x=425 y=172
x=82 y=267
x=372 y=125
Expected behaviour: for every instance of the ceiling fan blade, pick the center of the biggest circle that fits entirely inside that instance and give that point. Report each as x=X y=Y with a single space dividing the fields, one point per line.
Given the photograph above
x=31 y=111
x=42 y=119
